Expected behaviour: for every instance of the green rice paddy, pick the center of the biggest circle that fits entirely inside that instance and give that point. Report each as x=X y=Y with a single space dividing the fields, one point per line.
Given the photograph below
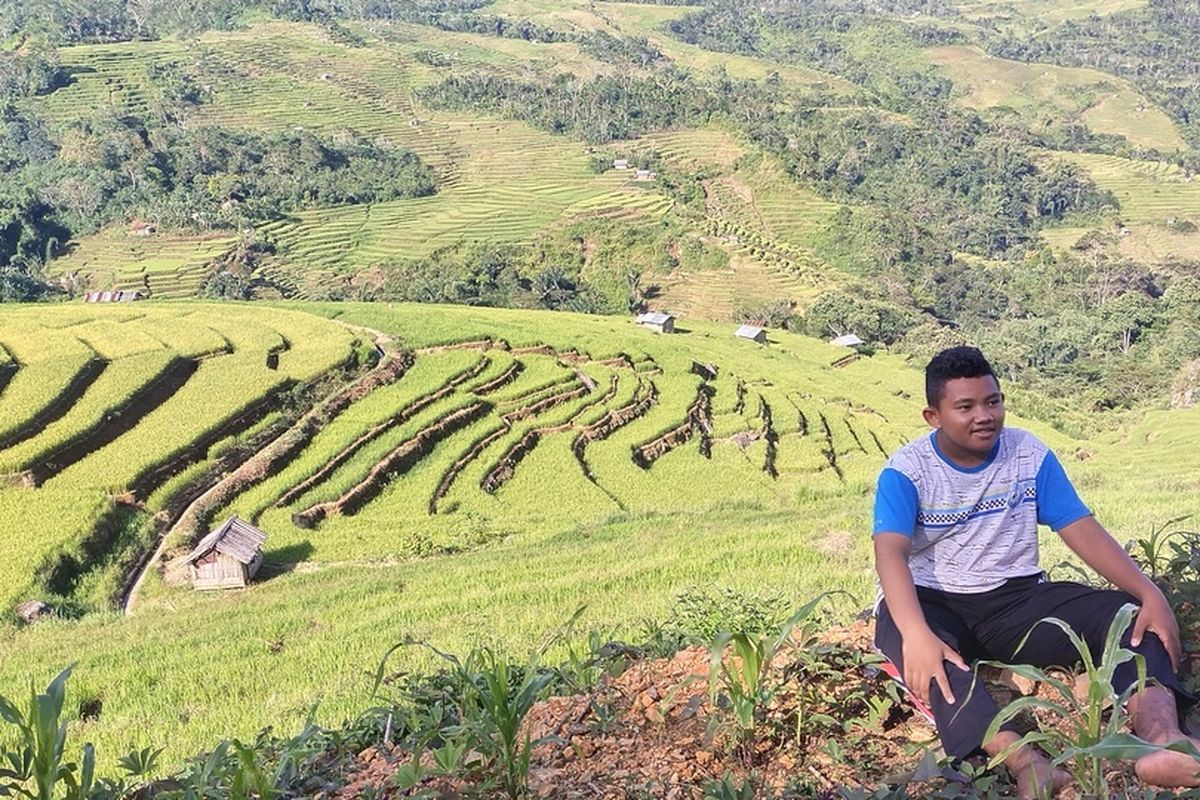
x=726 y=504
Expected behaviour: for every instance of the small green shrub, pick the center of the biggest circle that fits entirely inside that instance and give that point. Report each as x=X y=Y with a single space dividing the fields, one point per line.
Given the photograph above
x=701 y=613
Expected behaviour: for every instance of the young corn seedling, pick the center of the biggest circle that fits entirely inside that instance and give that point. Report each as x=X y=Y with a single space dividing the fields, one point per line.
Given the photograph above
x=1090 y=737
x=1161 y=553
x=494 y=699
x=743 y=685
x=495 y=713
x=35 y=769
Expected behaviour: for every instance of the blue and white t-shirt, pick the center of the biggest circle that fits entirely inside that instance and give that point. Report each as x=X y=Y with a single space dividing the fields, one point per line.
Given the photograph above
x=973 y=529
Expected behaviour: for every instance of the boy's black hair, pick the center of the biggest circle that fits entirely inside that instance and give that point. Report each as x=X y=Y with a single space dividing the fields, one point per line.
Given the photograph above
x=951 y=363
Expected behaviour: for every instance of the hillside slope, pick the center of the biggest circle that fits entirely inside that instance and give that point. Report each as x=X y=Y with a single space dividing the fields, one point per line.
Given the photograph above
x=763 y=483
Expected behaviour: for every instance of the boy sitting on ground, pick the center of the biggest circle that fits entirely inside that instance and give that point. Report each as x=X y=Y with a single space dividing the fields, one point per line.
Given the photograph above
x=956 y=550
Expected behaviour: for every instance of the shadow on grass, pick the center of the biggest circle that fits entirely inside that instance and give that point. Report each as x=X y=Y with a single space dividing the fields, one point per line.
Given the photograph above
x=284 y=560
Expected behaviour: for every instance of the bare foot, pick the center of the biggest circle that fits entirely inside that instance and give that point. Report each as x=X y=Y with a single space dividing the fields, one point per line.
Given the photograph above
x=1039 y=780
x=1168 y=768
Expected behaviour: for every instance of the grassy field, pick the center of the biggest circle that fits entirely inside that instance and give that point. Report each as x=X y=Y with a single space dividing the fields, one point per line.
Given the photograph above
x=1044 y=12
x=648 y=20
x=1155 y=199
x=1035 y=92
x=184 y=670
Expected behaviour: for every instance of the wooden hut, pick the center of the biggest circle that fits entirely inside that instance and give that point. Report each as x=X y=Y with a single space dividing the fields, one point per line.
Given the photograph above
x=658 y=321
x=752 y=332
x=228 y=557
x=620 y=163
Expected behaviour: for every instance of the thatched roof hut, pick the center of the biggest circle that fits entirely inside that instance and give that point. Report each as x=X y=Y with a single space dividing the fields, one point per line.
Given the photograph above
x=228 y=557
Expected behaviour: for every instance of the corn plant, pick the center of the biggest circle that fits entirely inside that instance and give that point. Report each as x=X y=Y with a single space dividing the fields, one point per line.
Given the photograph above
x=729 y=789
x=743 y=685
x=1152 y=553
x=41 y=741
x=584 y=666
x=1090 y=737
x=493 y=700
x=495 y=712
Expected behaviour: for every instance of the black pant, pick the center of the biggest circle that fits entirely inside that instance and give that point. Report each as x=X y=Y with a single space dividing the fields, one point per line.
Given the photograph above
x=991 y=625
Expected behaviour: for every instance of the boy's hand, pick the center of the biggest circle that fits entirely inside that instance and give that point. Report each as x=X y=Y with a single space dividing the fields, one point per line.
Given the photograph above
x=1156 y=616
x=925 y=658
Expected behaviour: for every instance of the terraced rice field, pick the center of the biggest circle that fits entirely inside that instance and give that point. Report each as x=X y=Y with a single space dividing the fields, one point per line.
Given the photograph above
x=649 y=21
x=764 y=221
x=747 y=283
x=495 y=429
x=701 y=147
x=493 y=472
x=106 y=404
x=788 y=213
x=1152 y=195
x=499 y=181
x=1150 y=192
x=453 y=443
x=1105 y=103
x=165 y=266
x=508 y=435
x=512 y=182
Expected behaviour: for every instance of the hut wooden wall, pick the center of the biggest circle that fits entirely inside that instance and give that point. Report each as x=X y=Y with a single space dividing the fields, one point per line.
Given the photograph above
x=217 y=571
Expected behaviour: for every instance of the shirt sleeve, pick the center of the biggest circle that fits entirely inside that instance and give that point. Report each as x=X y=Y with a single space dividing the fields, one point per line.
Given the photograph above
x=1058 y=504
x=895 y=504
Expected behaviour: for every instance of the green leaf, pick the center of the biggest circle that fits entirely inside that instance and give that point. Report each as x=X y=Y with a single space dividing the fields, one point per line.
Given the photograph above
x=1085 y=653
x=1017 y=706
x=1033 y=673
x=1125 y=746
x=10 y=714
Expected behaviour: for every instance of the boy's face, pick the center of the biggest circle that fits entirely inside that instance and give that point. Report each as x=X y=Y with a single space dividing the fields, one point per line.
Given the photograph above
x=969 y=416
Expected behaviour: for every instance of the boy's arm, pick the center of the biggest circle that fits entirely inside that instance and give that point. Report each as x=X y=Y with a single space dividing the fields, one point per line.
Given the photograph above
x=924 y=653
x=1096 y=546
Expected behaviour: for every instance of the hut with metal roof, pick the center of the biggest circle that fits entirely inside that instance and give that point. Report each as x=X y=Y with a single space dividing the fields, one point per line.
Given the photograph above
x=657 y=320
x=228 y=557
x=846 y=340
x=752 y=332
x=113 y=296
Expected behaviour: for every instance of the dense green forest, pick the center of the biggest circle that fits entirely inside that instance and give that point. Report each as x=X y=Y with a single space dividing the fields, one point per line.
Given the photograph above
x=942 y=207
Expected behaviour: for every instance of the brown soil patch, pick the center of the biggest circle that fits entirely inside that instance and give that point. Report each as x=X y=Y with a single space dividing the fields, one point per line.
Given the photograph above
x=650 y=733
